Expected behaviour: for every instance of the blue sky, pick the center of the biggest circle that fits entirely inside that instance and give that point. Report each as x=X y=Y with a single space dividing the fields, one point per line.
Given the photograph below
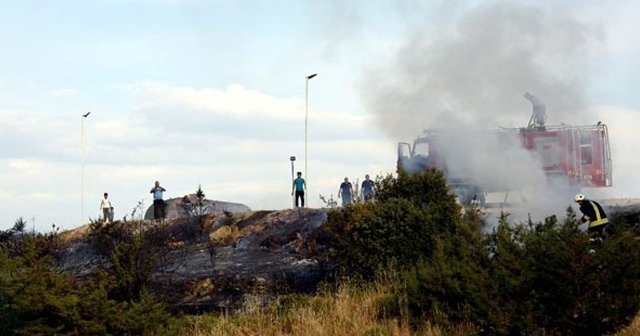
x=211 y=92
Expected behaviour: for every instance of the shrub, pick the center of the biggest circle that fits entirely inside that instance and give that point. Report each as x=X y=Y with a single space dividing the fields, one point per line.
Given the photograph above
x=401 y=227
x=36 y=299
x=535 y=278
x=523 y=278
x=134 y=250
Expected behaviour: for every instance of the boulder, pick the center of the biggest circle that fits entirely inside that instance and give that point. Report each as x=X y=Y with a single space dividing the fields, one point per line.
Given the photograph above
x=184 y=207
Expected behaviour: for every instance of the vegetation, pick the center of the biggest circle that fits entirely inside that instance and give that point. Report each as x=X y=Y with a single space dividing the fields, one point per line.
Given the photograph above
x=523 y=278
x=36 y=299
x=348 y=309
x=411 y=263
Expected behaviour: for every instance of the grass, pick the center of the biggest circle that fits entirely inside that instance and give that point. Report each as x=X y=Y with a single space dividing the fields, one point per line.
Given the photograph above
x=633 y=329
x=349 y=310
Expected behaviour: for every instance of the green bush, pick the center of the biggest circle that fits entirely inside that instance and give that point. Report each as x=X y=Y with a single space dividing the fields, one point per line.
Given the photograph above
x=532 y=278
x=400 y=228
x=134 y=250
x=36 y=299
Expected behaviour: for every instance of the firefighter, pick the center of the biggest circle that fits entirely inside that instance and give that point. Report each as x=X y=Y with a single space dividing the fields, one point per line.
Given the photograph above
x=593 y=213
x=539 y=115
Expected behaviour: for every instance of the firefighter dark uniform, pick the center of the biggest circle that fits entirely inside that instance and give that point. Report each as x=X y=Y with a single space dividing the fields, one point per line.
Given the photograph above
x=593 y=213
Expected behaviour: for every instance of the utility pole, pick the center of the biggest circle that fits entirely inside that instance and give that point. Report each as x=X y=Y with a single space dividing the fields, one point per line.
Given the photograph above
x=293 y=159
x=306 y=115
x=83 y=214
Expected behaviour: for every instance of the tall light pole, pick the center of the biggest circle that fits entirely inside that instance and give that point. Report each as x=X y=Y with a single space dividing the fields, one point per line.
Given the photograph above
x=293 y=159
x=306 y=117
x=82 y=118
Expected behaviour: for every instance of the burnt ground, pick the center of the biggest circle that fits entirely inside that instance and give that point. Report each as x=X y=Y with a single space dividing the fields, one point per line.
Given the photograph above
x=222 y=261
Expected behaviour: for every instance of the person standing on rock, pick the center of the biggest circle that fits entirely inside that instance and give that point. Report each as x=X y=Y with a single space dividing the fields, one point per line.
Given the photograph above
x=367 y=188
x=345 y=191
x=298 y=186
x=107 y=208
x=158 y=201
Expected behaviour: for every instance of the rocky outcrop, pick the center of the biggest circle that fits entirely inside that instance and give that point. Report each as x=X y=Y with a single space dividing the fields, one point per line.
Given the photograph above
x=222 y=261
x=189 y=204
x=627 y=209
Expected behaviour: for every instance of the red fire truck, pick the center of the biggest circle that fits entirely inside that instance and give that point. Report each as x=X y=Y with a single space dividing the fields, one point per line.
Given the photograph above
x=571 y=156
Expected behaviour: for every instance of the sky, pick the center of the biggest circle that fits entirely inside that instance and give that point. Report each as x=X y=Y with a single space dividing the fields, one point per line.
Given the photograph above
x=212 y=92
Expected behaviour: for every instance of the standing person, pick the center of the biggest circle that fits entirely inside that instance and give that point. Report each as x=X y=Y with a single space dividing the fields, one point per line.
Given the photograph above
x=298 y=186
x=345 y=191
x=107 y=208
x=539 y=115
x=593 y=213
x=158 y=201
x=367 y=188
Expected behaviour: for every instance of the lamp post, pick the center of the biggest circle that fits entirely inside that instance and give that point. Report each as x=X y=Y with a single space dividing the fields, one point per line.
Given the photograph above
x=293 y=159
x=82 y=154
x=306 y=115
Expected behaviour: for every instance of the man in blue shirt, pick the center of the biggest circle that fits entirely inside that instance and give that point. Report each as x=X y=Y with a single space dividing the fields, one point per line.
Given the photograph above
x=299 y=186
x=158 y=202
x=367 y=188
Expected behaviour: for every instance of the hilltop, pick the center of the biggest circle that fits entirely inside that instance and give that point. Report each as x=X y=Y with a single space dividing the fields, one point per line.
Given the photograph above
x=218 y=261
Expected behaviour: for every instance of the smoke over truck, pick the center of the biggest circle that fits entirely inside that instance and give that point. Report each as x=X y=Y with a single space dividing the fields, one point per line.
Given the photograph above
x=570 y=157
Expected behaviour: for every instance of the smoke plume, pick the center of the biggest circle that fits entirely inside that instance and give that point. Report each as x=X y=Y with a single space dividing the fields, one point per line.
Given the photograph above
x=469 y=78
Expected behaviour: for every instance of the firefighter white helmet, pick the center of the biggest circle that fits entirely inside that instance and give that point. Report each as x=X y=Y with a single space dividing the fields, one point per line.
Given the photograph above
x=579 y=198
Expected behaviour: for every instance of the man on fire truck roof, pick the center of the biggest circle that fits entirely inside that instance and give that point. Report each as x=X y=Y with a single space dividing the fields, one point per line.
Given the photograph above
x=539 y=115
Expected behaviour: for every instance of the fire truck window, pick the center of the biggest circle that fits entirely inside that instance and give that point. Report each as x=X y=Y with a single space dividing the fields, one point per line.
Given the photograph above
x=585 y=154
x=549 y=150
x=585 y=139
x=586 y=149
x=421 y=148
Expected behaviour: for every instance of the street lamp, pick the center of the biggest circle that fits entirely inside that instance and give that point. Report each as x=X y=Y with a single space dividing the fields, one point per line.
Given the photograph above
x=293 y=159
x=306 y=115
x=82 y=118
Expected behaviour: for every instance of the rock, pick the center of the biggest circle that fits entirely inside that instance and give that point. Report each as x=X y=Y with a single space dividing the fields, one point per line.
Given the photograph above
x=178 y=208
x=232 y=260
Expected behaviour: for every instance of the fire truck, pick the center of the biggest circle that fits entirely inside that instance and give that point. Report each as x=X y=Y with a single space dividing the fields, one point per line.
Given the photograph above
x=571 y=156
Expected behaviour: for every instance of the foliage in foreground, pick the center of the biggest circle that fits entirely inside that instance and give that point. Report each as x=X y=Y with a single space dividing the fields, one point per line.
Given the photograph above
x=528 y=278
x=37 y=299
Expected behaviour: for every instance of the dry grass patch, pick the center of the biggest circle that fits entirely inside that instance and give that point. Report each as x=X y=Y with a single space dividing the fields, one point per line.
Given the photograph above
x=348 y=311
x=633 y=329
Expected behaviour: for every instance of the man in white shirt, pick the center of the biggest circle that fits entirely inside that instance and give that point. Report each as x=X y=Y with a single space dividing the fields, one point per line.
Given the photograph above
x=107 y=208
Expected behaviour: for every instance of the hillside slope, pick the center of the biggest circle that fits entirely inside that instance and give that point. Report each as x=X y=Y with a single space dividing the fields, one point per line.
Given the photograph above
x=220 y=261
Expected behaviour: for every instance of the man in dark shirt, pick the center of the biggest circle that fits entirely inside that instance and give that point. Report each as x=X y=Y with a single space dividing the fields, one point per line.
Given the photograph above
x=367 y=188
x=345 y=191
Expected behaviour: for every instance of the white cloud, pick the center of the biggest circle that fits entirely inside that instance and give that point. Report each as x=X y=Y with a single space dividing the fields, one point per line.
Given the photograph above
x=28 y=167
x=63 y=93
x=235 y=100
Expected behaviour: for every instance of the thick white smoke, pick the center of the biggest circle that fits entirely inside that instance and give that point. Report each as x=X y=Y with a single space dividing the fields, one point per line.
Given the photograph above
x=468 y=79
